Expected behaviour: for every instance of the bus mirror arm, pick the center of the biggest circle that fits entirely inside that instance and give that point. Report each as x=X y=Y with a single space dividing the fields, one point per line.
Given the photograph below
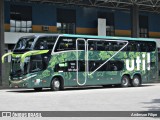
x=30 y=53
x=5 y=55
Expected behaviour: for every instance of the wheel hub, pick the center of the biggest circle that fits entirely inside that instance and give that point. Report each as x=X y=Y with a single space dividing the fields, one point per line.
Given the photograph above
x=136 y=81
x=124 y=82
x=56 y=84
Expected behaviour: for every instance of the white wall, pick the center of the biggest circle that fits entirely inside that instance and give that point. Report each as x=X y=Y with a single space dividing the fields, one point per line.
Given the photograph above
x=12 y=37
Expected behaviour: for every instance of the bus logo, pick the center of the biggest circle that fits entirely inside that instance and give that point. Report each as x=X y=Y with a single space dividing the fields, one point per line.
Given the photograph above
x=139 y=62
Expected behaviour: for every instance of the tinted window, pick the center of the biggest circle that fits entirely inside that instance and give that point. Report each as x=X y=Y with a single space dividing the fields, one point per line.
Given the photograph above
x=131 y=46
x=92 y=45
x=24 y=43
x=143 y=46
x=66 y=43
x=81 y=45
x=151 y=46
x=36 y=63
x=140 y=46
x=100 y=45
x=71 y=66
x=45 y=43
x=109 y=66
x=105 y=45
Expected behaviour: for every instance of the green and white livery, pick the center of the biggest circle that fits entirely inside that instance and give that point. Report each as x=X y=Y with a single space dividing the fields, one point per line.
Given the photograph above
x=59 y=61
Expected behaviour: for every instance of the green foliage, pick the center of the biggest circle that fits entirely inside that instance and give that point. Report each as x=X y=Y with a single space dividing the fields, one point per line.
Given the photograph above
x=46 y=73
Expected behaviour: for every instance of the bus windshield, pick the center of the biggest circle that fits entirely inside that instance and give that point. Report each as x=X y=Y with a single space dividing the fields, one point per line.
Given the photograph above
x=17 y=70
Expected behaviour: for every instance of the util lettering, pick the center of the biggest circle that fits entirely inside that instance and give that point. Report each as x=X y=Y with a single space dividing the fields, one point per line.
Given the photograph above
x=139 y=62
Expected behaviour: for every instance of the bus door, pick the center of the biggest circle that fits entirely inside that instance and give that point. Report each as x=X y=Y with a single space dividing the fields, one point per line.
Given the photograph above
x=81 y=63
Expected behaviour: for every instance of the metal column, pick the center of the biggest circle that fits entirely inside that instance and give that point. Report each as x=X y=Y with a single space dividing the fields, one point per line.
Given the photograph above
x=135 y=21
x=1 y=39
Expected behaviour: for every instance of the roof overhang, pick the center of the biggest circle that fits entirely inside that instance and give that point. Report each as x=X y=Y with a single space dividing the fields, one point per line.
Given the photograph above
x=144 y=5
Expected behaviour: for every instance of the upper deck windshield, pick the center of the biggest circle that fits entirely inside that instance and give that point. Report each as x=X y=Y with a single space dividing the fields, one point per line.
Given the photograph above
x=25 y=43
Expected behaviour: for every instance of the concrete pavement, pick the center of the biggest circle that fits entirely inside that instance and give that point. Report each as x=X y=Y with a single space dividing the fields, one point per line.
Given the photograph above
x=144 y=98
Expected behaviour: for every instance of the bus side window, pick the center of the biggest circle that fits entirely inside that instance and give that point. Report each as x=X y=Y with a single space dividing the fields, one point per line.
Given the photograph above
x=107 y=47
x=138 y=46
x=122 y=45
x=143 y=47
x=114 y=46
x=66 y=43
x=151 y=46
x=81 y=65
x=100 y=46
x=81 y=45
x=115 y=65
x=92 y=65
x=110 y=47
x=91 y=45
x=119 y=46
x=131 y=46
x=37 y=63
x=120 y=65
x=45 y=43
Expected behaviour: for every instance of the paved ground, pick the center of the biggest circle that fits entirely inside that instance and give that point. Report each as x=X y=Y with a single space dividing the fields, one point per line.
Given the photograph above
x=145 y=98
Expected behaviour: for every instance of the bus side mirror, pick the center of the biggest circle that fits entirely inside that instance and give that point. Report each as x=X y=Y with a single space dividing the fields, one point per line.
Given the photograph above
x=5 y=55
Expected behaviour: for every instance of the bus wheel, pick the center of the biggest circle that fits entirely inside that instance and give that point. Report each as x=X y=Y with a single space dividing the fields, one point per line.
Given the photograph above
x=55 y=84
x=136 y=81
x=38 y=89
x=125 y=81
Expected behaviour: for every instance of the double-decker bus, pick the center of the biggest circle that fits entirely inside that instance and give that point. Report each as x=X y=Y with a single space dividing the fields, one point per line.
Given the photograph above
x=62 y=60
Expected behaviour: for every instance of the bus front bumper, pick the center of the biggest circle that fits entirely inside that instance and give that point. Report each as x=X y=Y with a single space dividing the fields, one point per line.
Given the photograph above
x=21 y=82
x=18 y=84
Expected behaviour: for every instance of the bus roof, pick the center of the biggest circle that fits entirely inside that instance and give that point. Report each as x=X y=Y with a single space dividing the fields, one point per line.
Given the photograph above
x=109 y=37
x=95 y=37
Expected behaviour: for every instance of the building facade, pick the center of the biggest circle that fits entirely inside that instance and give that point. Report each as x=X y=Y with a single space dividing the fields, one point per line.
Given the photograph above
x=29 y=18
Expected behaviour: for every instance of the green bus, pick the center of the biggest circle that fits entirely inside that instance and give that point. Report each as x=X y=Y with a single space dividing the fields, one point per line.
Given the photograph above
x=57 y=61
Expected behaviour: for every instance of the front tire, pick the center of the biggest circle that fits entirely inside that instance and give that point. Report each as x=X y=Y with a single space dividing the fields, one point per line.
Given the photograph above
x=125 y=81
x=55 y=84
x=136 y=82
